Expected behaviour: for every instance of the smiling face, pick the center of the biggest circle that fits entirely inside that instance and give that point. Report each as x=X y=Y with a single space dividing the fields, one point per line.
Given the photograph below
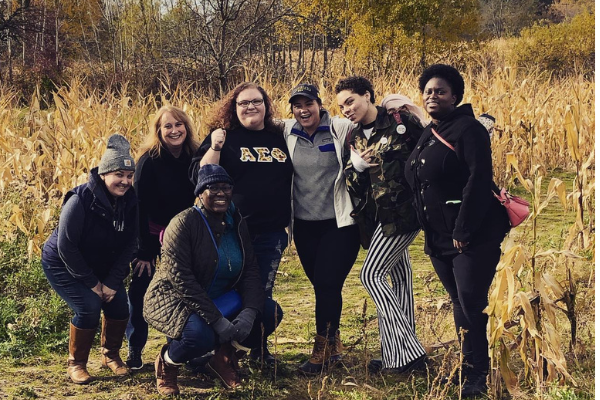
x=438 y=99
x=251 y=117
x=354 y=106
x=219 y=201
x=118 y=182
x=307 y=112
x=172 y=133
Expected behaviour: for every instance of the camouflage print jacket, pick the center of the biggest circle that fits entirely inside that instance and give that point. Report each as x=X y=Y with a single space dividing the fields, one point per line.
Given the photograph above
x=383 y=194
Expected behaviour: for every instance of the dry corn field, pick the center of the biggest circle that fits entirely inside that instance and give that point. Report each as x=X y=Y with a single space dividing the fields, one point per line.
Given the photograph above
x=541 y=303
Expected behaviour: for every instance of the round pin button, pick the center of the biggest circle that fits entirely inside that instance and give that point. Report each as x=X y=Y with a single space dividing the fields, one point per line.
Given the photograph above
x=401 y=129
x=383 y=140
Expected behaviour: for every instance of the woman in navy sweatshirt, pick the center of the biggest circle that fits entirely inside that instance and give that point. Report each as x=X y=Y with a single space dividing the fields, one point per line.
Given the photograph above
x=87 y=258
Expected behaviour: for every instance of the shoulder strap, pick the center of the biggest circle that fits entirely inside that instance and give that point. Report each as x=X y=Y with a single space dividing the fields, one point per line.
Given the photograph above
x=207 y=227
x=441 y=139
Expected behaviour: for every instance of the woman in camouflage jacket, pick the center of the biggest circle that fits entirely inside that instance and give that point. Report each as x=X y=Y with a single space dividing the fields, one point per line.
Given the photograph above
x=380 y=144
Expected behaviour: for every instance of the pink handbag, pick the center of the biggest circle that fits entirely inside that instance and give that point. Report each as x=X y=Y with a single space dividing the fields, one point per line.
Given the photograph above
x=516 y=207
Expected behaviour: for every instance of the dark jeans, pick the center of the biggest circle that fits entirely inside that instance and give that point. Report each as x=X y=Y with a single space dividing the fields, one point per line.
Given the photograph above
x=268 y=248
x=467 y=278
x=198 y=338
x=83 y=301
x=137 y=327
x=327 y=254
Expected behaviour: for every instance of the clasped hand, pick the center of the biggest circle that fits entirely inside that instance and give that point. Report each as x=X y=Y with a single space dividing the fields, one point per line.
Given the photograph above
x=104 y=292
x=238 y=329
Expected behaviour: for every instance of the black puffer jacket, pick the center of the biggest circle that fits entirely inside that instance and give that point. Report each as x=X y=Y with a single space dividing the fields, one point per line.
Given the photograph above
x=453 y=189
x=189 y=261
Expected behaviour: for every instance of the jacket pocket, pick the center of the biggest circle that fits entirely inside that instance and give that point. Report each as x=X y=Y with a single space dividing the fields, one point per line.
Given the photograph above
x=449 y=212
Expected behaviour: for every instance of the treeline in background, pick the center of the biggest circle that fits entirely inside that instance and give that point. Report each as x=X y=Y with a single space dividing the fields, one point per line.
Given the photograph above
x=211 y=45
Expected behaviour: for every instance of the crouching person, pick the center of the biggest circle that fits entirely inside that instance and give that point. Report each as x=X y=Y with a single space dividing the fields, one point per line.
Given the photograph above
x=87 y=258
x=207 y=293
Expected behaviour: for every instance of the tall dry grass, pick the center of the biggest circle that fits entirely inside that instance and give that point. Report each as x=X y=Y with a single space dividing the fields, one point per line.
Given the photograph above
x=543 y=125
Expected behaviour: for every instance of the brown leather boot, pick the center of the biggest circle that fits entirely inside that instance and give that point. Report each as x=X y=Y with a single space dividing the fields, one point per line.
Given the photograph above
x=111 y=340
x=336 y=348
x=224 y=365
x=319 y=359
x=80 y=343
x=166 y=375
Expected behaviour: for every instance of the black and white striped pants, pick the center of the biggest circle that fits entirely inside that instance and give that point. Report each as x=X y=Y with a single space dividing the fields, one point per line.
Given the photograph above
x=388 y=256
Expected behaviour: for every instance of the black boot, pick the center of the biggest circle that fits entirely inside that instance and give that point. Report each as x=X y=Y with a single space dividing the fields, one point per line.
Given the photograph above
x=475 y=385
x=134 y=358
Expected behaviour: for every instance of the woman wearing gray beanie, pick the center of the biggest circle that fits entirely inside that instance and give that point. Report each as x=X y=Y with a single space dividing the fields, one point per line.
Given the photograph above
x=87 y=258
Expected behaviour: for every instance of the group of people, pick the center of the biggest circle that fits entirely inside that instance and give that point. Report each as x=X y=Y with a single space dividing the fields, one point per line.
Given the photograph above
x=215 y=214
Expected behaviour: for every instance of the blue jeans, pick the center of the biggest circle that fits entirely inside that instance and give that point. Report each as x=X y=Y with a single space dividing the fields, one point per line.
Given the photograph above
x=198 y=338
x=137 y=327
x=268 y=248
x=83 y=301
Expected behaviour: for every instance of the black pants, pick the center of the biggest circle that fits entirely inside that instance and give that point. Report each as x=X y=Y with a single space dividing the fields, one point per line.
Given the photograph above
x=467 y=278
x=327 y=254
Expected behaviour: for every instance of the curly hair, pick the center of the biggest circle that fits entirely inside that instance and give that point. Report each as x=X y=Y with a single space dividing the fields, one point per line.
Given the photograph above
x=356 y=84
x=223 y=114
x=447 y=73
x=153 y=143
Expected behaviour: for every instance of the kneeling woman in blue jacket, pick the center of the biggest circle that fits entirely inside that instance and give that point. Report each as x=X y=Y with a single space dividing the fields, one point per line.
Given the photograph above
x=87 y=258
x=207 y=260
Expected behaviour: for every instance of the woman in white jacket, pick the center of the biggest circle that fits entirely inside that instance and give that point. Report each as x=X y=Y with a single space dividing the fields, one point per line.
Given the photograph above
x=325 y=234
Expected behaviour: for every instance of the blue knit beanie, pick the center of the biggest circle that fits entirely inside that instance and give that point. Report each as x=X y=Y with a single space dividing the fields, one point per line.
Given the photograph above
x=209 y=174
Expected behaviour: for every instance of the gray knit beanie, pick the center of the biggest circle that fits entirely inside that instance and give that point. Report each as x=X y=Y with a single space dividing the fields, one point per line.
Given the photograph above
x=117 y=156
x=209 y=174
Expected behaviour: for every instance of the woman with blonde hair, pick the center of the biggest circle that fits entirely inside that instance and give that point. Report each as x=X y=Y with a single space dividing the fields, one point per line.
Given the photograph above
x=163 y=191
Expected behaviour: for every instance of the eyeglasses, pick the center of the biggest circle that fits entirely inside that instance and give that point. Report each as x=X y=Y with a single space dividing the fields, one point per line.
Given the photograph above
x=246 y=103
x=215 y=189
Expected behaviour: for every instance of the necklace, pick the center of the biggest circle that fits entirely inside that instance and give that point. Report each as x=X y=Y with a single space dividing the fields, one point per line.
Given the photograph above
x=226 y=251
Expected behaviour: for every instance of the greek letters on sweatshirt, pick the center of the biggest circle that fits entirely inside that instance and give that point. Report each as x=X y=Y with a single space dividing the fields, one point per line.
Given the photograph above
x=261 y=168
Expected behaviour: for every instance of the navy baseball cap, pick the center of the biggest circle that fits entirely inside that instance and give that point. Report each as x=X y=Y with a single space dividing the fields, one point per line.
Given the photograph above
x=306 y=90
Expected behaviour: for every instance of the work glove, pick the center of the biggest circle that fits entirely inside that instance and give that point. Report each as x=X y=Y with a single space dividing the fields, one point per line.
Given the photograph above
x=224 y=329
x=243 y=323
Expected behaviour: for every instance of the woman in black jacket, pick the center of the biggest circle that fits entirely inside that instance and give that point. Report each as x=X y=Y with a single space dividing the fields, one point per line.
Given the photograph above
x=450 y=172
x=164 y=190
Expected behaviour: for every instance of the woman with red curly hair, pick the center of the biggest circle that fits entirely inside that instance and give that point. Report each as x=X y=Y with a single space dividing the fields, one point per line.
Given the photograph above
x=246 y=141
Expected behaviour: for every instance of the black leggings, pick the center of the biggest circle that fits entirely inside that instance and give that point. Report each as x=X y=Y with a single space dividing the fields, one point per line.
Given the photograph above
x=327 y=254
x=467 y=278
